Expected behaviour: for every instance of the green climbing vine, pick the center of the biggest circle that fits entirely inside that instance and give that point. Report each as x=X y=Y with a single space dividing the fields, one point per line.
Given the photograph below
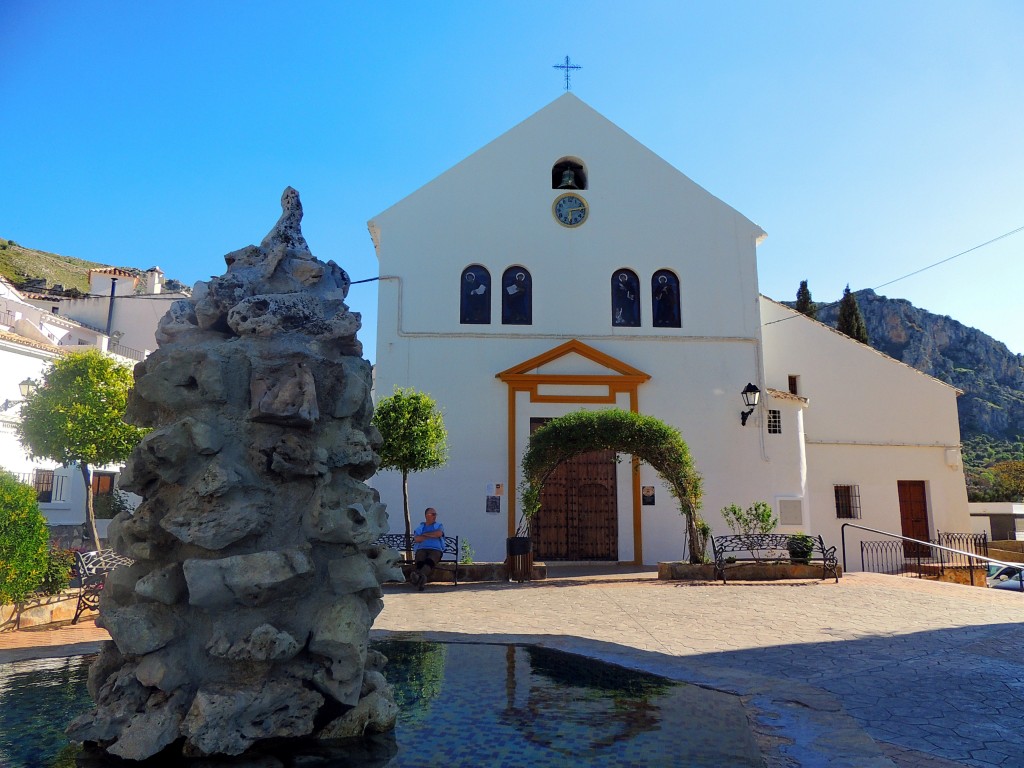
x=648 y=439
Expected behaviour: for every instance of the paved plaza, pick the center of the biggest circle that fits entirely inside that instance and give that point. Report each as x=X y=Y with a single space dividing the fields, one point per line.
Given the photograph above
x=873 y=671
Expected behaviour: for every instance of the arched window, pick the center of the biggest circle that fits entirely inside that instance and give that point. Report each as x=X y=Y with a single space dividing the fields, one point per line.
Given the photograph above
x=568 y=173
x=516 y=297
x=475 y=300
x=625 y=298
x=665 y=299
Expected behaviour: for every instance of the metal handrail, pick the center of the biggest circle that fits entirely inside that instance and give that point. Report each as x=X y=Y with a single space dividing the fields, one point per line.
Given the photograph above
x=842 y=536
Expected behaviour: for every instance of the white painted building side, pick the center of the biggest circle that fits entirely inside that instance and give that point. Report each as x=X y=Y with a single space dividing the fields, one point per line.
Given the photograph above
x=31 y=338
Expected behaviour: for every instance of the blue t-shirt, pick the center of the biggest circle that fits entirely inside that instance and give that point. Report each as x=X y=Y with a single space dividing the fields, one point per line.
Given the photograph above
x=428 y=543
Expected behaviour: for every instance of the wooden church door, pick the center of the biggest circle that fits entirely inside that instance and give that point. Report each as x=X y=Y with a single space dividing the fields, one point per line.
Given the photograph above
x=913 y=516
x=578 y=519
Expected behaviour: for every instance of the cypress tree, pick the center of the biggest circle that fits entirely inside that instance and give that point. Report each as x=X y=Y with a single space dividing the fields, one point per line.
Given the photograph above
x=851 y=322
x=804 y=303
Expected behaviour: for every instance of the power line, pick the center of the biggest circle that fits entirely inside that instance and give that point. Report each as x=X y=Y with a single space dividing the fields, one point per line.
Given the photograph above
x=919 y=271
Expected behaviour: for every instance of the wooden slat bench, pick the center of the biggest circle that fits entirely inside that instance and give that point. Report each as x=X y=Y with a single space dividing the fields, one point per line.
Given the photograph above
x=402 y=544
x=93 y=568
x=770 y=548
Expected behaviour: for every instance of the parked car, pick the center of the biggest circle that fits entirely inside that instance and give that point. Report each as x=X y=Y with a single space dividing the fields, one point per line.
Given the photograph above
x=998 y=573
x=1014 y=582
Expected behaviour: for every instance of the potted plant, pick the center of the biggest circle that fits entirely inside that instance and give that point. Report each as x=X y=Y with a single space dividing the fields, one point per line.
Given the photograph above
x=800 y=547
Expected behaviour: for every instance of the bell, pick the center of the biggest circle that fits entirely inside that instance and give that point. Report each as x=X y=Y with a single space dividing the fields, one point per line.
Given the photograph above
x=568 y=180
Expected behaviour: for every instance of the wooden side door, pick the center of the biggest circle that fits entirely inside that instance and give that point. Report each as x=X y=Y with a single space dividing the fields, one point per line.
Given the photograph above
x=578 y=519
x=913 y=516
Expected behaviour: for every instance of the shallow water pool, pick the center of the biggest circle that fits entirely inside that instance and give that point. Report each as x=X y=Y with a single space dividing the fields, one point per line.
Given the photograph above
x=462 y=705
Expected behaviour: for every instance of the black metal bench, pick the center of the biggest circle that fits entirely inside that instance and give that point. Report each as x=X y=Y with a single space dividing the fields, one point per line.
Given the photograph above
x=93 y=568
x=403 y=544
x=772 y=548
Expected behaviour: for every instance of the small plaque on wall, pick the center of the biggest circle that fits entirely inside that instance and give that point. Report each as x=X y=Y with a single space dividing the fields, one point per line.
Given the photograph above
x=647 y=495
x=494 y=505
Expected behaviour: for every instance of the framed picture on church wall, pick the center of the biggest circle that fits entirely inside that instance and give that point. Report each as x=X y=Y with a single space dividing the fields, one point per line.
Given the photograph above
x=647 y=495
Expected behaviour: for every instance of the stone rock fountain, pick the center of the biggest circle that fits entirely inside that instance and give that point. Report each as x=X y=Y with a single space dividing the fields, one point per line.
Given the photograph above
x=247 y=611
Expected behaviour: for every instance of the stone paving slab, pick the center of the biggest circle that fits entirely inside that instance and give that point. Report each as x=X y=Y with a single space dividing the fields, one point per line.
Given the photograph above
x=53 y=641
x=873 y=671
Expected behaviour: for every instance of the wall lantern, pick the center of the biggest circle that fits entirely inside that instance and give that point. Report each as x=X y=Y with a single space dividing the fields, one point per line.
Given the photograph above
x=751 y=395
x=26 y=387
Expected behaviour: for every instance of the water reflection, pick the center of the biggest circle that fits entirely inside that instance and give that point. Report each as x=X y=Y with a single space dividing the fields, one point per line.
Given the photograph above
x=574 y=707
x=469 y=705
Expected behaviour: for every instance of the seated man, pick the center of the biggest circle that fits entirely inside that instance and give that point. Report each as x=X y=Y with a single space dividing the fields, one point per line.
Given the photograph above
x=428 y=547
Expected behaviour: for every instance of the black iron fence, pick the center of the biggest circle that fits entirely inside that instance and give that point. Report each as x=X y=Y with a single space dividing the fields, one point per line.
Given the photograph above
x=962 y=555
x=906 y=558
x=129 y=352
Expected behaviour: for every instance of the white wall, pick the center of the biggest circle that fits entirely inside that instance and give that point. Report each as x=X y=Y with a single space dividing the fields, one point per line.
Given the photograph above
x=494 y=209
x=135 y=317
x=871 y=421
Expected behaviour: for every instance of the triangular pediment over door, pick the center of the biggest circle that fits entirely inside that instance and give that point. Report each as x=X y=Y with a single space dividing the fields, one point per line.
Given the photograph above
x=572 y=373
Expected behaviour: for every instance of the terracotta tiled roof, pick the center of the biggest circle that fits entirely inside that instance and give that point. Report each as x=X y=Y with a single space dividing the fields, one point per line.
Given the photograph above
x=42 y=296
x=113 y=271
x=778 y=394
x=16 y=339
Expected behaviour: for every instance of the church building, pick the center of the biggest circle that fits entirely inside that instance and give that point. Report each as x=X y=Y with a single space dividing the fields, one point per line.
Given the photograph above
x=565 y=266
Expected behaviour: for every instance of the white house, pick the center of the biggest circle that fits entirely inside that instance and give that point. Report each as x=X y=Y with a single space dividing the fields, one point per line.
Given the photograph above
x=999 y=520
x=565 y=266
x=31 y=338
x=122 y=306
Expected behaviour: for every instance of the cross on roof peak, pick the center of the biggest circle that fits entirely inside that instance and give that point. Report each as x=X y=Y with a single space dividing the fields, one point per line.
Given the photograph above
x=568 y=67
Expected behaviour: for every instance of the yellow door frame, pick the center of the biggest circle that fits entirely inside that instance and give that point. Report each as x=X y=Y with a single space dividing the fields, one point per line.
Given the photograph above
x=621 y=379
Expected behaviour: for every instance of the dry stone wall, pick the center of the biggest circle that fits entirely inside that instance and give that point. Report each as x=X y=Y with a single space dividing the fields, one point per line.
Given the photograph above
x=246 y=614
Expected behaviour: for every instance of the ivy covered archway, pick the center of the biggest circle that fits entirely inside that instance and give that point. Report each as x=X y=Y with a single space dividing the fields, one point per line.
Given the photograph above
x=646 y=438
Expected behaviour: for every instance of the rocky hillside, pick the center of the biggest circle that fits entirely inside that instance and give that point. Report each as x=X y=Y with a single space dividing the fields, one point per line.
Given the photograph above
x=20 y=265
x=41 y=271
x=990 y=375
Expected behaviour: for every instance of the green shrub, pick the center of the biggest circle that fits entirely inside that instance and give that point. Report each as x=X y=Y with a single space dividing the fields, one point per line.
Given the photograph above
x=57 y=575
x=465 y=553
x=757 y=518
x=108 y=506
x=24 y=540
x=800 y=547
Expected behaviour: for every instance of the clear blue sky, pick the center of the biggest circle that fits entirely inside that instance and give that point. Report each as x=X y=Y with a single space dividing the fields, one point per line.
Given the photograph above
x=868 y=139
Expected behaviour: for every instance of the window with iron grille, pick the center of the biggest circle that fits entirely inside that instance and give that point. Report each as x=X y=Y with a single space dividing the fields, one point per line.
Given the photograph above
x=774 y=422
x=43 y=481
x=847 y=501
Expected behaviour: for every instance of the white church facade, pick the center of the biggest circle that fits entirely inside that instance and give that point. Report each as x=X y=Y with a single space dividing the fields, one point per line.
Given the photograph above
x=566 y=266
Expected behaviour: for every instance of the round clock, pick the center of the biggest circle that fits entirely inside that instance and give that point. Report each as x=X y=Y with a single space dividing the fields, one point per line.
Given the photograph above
x=570 y=210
